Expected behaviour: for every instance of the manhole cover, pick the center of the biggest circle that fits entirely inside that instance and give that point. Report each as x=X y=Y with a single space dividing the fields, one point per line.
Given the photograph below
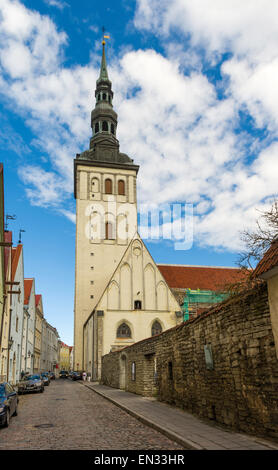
x=46 y=425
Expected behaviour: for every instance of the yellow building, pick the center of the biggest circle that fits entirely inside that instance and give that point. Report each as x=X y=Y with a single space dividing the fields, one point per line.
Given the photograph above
x=38 y=334
x=65 y=350
x=120 y=295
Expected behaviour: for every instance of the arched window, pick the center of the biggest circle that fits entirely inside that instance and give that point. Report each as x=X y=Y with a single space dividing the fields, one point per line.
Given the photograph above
x=104 y=96
x=109 y=231
x=98 y=97
x=112 y=129
x=109 y=98
x=123 y=331
x=156 y=328
x=108 y=186
x=105 y=126
x=121 y=187
x=96 y=127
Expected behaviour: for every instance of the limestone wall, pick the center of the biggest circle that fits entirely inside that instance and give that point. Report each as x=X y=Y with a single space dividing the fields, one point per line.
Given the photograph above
x=238 y=388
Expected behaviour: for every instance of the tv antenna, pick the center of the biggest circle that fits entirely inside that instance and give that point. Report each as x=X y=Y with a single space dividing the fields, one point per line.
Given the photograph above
x=9 y=217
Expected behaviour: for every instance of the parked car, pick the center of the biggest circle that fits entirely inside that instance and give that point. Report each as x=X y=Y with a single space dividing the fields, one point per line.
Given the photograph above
x=76 y=375
x=31 y=383
x=52 y=376
x=8 y=403
x=46 y=379
x=63 y=374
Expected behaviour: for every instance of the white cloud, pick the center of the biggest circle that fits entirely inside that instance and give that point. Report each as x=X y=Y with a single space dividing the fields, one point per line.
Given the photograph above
x=171 y=123
x=57 y=4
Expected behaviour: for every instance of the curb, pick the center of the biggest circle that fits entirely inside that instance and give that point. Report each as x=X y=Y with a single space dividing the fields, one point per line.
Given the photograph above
x=186 y=443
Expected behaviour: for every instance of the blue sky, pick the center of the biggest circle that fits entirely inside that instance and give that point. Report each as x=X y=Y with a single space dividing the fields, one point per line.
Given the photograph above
x=197 y=103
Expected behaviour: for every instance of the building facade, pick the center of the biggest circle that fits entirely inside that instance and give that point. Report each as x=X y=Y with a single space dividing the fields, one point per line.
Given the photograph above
x=2 y=262
x=6 y=344
x=38 y=333
x=120 y=295
x=49 y=347
x=16 y=314
x=30 y=307
x=65 y=351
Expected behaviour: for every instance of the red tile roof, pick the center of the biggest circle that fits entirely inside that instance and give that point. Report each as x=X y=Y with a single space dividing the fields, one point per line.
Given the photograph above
x=269 y=260
x=199 y=277
x=8 y=238
x=27 y=290
x=37 y=299
x=16 y=252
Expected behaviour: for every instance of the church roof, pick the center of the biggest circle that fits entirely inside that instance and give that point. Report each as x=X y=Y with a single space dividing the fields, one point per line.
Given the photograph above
x=212 y=278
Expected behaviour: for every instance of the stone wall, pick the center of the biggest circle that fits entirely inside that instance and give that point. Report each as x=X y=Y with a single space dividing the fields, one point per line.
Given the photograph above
x=238 y=388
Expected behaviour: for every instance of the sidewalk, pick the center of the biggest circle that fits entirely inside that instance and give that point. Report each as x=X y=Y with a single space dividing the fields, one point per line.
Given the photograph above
x=178 y=425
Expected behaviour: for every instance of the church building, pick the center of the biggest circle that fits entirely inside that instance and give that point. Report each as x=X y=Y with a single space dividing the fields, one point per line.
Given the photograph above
x=121 y=296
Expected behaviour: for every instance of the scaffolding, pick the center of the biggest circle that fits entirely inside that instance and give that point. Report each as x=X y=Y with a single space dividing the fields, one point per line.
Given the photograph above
x=195 y=298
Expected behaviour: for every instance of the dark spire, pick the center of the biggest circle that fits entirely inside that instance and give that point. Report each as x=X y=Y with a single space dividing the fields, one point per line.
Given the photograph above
x=103 y=76
x=104 y=145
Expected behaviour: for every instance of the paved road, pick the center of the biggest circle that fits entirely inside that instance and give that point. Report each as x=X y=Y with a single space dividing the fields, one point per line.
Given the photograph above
x=73 y=417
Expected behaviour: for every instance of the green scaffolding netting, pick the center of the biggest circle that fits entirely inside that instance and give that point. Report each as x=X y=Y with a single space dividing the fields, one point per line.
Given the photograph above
x=201 y=297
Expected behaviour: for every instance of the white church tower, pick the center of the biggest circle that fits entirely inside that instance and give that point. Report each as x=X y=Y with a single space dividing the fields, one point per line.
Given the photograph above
x=120 y=295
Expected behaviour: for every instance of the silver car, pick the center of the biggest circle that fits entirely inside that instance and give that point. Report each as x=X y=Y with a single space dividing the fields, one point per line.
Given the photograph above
x=32 y=383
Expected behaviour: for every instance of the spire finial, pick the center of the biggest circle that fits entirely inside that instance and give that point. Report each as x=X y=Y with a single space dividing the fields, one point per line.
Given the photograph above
x=103 y=69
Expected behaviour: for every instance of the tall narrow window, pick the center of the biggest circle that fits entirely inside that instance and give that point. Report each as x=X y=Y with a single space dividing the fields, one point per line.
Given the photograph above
x=104 y=126
x=123 y=331
x=96 y=127
x=156 y=328
x=109 y=231
x=108 y=186
x=112 y=129
x=104 y=96
x=121 y=187
x=137 y=305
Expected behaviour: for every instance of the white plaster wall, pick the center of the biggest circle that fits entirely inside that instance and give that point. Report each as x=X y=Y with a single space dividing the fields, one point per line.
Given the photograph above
x=96 y=259
x=17 y=304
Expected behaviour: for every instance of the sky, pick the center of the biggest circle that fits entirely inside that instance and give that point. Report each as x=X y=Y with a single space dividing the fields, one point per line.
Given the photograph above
x=195 y=89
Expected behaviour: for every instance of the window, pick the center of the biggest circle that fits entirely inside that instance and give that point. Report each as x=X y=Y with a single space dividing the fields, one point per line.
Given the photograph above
x=133 y=371
x=109 y=98
x=108 y=186
x=156 y=328
x=170 y=370
x=98 y=97
x=105 y=126
x=16 y=326
x=96 y=128
x=109 y=231
x=112 y=129
x=104 y=96
x=123 y=331
x=121 y=187
x=137 y=305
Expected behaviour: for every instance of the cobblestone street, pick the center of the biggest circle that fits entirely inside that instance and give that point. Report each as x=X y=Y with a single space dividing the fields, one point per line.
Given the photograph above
x=70 y=416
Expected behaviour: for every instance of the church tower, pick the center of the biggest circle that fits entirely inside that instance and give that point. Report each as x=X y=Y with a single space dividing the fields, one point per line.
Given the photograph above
x=106 y=211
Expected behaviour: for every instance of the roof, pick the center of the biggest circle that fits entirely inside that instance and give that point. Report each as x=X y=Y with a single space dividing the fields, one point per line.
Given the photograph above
x=199 y=277
x=8 y=238
x=269 y=260
x=16 y=252
x=37 y=299
x=27 y=290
